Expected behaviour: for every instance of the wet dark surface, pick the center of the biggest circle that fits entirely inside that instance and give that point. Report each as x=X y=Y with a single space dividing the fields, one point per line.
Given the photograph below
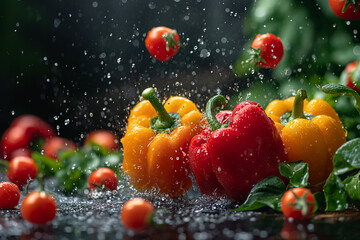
x=190 y=217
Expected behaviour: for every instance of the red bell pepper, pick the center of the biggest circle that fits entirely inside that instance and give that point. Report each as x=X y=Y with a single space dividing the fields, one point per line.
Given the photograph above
x=242 y=149
x=22 y=131
x=200 y=161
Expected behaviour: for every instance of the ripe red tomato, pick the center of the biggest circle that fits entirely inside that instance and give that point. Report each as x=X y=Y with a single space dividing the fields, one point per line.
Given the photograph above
x=298 y=203
x=349 y=69
x=9 y=195
x=162 y=43
x=21 y=170
x=103 y=138
x=136 y=214
x=347 y=13
x=268 y=50
x=22 y=131
x=38 y=208
x=53 y=145
x=103 y=177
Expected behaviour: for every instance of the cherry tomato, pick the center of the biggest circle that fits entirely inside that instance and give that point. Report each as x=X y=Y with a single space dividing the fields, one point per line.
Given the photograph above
x=298 y=203
x=103 y=138
x=22 y=131
x=268 y=50
x=103 y=177
x=347 y=13
x=162 y=43
x=348 y=70
x=136 y=214
x=53 y=145
x=38 y=208
x=21 y=170
x=9 y=195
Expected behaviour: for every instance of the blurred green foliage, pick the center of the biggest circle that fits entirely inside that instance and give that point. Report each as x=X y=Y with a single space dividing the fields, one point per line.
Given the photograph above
x=317 y=46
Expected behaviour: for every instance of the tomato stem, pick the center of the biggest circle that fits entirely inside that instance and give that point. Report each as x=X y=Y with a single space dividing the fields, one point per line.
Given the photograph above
x=348 y=2
x=301 y=203
x=170 y=40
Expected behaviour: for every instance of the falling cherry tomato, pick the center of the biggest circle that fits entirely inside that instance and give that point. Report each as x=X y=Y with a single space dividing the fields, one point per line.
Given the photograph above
x=136 y=214
x=345 y=9
x=298 y=203
x=38 y=208
x=267 y=50
x=103 y=177
x=21 y=170
x=9 y=195
x=162 y=43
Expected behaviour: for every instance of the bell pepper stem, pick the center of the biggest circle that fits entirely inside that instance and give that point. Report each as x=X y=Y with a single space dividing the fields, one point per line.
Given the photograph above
x=298 y=107
x=214 y=103
x=338 y=89
x=164 y=119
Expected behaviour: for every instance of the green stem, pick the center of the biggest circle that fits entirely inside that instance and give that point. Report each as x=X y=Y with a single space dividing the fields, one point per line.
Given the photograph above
x=338 y=89
x=298 y=107
x=164 y=119
x=40 y=179
x=214 y=103
x=4 y=163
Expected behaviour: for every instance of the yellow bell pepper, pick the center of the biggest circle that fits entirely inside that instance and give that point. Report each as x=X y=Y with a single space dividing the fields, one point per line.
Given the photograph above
x=311 y=131
x=156 y=142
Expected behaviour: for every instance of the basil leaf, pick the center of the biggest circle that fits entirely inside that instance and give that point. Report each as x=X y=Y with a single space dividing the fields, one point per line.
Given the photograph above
x=46 y=165
x=352 y=188
x=335 y=194
x=296 y=171
x=267 y=192
x=347 y=157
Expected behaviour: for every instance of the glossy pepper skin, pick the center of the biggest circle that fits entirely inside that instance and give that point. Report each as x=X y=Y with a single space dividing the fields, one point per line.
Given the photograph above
x=245 y=150
x=22 y=131
x=155 y=152
x=313 y=134
x=200 y=161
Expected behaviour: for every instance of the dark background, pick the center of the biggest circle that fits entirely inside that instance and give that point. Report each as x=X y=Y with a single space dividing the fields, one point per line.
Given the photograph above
x=80 y=64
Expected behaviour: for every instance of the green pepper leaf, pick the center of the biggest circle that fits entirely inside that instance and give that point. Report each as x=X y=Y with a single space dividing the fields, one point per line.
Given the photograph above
x=347 y=157
x=296 y=171
x=267 y=192
x=352 y=188
x=47 y=166
x=335 y=194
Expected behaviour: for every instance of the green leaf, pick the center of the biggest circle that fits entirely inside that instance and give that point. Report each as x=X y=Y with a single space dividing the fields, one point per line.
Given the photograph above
x=347 y=157
x=47 y=166
x=296 y=171
x=267 y=192
x=77 y=166
x=335 y=194
x=352 y=188
x=320 y=202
